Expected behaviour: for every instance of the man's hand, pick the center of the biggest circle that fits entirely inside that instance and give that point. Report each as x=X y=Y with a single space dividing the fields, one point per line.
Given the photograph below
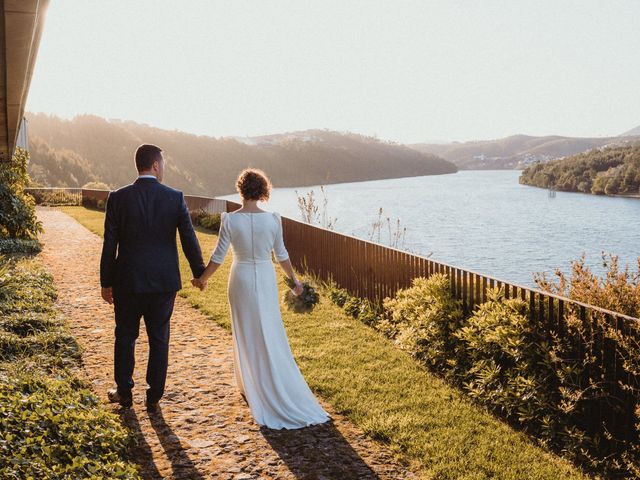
x=297 y=290
x=107 y=295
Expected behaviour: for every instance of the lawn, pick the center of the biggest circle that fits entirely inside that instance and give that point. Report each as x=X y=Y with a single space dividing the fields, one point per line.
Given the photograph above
x=384 y=391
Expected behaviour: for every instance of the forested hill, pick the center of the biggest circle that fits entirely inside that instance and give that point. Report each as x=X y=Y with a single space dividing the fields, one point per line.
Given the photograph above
x=89 y=148
x=609 y=171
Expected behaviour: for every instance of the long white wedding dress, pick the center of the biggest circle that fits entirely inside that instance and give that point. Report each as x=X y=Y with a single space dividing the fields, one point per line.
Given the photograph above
x=264 y=367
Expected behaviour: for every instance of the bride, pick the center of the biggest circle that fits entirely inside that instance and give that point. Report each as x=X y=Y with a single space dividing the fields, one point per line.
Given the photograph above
x=264 y=368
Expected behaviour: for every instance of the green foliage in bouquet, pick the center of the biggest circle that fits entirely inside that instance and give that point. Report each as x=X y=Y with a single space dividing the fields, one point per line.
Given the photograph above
x=303 y=303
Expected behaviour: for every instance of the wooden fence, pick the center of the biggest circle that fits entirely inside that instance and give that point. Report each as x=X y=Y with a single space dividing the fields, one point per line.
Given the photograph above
x=373 y=271
x=369 y=270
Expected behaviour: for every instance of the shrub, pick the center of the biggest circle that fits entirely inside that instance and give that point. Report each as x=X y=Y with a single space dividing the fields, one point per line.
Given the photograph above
x=618 y=290
x=51 y=429
x=55 y=197
x=210 y=221
x=30 y=289
x=339 y=296
x=422 y=319
x=510 y=366
x=599 y=363
x=28 y=323
x=364 y=310
x=17 y=209
x=25 y=246
x=93 y=203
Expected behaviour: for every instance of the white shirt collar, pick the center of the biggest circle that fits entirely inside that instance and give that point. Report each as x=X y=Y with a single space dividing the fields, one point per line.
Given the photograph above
x=146 y=176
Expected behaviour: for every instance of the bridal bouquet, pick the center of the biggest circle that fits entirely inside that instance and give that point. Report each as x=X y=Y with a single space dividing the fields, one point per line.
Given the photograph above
x=304 y=302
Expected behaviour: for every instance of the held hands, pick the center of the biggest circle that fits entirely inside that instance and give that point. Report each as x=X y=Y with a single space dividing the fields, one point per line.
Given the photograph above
x=199 y=283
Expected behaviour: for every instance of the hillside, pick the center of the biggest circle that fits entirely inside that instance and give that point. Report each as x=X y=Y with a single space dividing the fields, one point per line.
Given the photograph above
x=90 y=148
x=515 y=152
x=608 y=171
x=632 y=132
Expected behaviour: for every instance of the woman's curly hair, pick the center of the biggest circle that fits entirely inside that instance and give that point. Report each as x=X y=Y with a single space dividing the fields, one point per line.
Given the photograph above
x=253 y=184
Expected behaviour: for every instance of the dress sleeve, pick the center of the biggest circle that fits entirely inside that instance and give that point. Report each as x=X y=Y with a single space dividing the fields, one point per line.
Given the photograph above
x=278 y=245
x=224 y=239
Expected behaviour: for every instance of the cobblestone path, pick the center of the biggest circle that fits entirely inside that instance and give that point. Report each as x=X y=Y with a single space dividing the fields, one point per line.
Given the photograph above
x=204 y=429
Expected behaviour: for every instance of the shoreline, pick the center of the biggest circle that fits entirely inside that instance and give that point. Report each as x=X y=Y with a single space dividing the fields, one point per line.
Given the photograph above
x=635 y=196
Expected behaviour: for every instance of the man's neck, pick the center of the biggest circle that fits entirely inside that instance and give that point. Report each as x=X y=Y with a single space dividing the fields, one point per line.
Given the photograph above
x=146 y=175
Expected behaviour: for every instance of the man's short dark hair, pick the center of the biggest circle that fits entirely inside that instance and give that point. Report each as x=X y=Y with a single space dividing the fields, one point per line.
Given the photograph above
x=145 y=156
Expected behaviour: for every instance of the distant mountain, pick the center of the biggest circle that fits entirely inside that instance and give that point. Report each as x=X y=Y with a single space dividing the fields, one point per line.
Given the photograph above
x=89 y=148
x=515 y=152
x=632 y=132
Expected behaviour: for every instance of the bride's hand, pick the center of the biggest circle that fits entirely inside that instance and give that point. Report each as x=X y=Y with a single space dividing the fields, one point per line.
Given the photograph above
x=298 y=288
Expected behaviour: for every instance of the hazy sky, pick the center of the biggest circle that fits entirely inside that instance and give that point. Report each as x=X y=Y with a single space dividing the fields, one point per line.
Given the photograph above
x=405 y=71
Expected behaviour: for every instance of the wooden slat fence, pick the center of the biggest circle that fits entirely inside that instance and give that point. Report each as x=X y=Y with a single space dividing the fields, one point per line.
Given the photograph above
x=369 y=270
x=373 y=271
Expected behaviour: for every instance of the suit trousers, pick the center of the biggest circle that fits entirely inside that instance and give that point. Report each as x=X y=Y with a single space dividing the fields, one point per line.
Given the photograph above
x=156 y=309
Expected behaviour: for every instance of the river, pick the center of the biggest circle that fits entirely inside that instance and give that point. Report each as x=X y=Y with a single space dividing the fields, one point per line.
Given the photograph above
x=483 y=220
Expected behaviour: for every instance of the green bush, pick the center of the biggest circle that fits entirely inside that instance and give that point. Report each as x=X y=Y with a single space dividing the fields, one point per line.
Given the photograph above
x=422 y=319
x=17 y=209
x=26 y=246
x=210 y=221
x=52 y=429
x=53 y=343
x=339 y=296
x=364 y=310
x=54 y=197
x=510 y=369
x=93 y=203
x=28 y=323
x=550 y=381
x=30 y=289
x=51 y=426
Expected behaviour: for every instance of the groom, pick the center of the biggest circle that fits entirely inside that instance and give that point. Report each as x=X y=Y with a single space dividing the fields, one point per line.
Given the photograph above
x=139 y=271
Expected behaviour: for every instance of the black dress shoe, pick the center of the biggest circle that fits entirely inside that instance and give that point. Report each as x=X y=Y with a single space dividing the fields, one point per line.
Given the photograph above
x=116 y=397
x=152 y=407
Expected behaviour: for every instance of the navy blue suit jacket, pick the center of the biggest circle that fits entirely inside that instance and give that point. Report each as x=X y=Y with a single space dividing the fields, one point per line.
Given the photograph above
x=139 y=253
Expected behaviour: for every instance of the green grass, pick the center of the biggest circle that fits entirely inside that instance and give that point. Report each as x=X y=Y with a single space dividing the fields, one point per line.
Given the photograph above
x=384 y=391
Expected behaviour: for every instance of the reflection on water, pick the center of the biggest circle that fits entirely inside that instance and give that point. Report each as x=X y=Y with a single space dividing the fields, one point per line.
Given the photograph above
x=485 y=221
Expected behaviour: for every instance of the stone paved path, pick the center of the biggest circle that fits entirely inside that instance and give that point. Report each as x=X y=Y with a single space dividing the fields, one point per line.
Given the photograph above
x=205 y=429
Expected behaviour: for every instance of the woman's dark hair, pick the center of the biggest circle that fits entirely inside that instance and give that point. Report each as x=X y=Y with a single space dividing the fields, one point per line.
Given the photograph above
x=253 y=184
x=146 y=154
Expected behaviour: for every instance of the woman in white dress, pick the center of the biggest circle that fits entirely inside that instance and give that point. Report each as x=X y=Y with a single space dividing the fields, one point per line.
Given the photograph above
x=264 y=368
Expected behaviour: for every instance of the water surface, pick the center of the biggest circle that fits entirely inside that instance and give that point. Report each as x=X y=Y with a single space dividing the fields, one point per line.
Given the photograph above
x=484 y=220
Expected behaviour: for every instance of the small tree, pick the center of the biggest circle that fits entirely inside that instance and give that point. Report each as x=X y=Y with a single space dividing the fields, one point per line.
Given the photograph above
x=17 y=209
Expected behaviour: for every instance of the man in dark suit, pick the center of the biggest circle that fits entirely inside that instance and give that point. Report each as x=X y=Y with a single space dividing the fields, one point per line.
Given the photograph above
x=139 y=272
